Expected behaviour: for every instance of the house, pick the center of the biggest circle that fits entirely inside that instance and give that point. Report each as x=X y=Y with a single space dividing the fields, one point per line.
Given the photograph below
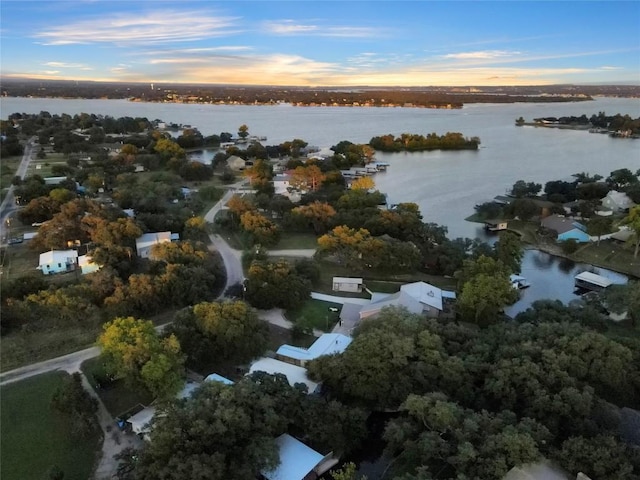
x=214 y=377
x=326 y=344
x=235 y=163
x=86 y=264
x=57 y=261
x=592 y=281
x=623 y=235
x=148 y=240
x=617 y=201
x=298 y=461
x=418 y=297
x=141 y=421
x=54 y=180
x=294 y=373
x=282 y=184
x=495 y=225
x=566 y=228
x=347 y=284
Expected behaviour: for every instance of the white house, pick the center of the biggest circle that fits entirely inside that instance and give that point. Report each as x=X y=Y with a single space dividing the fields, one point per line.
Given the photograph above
x=281 y=184
x=326 y=344
x=58 y=261
x=298 y=461
x=235 y=162
x=148 y=240
x=293 y=373
x=617 y=201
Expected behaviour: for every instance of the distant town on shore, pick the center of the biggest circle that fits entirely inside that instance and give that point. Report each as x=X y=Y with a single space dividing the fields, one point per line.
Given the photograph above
x=424 y=97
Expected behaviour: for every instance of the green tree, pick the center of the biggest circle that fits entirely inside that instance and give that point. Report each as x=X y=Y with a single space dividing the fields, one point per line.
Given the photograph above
x=509 y=251
x=599 y=226
x=275 y=284
x=221 y=432
x=243 y=131
x=632 y=220
x=77 y=405
x=602 y=457
x=220 y=331
x=484 y=296
x=133 y=350
x=319 y=214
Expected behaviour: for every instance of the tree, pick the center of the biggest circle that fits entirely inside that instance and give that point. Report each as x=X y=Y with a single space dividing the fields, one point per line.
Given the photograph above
x=363 y=183
x=221 y=432
x=347 y=472
x=307 y=178
x=621 y=178
x=275 y=284
x=524 y=208
x=632 y=220
x=319 y=214
x=243 y=131
x=601 y=457
x=509 y=251
x=484 y=296
x=262 y=230
x=133 y=350
x=353 y=248
x=599 y=226
x=76 y=404
x=623 y=298
x=220 y=331
x=525 y=189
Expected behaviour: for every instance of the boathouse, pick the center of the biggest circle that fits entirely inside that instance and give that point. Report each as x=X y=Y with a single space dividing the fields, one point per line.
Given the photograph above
x=592 y=281
x=495 y=225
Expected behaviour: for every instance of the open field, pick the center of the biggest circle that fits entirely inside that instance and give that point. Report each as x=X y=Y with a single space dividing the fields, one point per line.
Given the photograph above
x=315 y=314
x=296 y=240
x=609 y=254
x=18 y=260
x=34 y=438
x=7 y=172
x=43 y=166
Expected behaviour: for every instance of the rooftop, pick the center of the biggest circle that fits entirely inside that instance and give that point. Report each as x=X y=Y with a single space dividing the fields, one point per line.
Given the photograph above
x=296 y=460
x=326 y=344
x=293 y=373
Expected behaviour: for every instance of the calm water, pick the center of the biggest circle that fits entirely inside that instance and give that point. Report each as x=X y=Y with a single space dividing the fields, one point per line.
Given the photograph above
x=446 y=185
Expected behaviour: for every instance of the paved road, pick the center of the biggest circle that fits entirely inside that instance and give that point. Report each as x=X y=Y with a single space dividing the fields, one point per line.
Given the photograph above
x=8 y=205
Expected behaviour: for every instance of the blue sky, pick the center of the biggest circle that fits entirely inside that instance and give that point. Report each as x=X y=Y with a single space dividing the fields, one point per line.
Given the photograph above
x=311 y=43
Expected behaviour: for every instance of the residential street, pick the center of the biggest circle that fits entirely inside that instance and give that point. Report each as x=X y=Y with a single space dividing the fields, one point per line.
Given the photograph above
x=8 y=205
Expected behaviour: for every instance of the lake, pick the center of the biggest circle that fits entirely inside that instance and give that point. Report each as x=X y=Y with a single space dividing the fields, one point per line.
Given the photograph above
x=446 y=185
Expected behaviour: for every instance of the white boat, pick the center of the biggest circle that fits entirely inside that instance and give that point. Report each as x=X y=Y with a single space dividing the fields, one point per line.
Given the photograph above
x=518 y=282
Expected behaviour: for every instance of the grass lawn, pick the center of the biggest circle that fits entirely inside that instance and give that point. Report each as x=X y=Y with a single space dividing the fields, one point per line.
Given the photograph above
x=609 y=254
x=117 y=397
x=315 y=314
x=42 y=166
x=34 y=438
x=22 y=348
x=296 y=240
x=19 y=259
x=8 y=170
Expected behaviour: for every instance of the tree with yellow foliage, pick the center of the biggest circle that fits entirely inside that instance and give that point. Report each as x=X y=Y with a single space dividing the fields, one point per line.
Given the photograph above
x=261 y=229
x=318 y=213
x=132 y=349
x=363 y=183
x=309 y=177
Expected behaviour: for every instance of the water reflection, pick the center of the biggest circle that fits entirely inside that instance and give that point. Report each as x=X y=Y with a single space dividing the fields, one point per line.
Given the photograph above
x=553 y=278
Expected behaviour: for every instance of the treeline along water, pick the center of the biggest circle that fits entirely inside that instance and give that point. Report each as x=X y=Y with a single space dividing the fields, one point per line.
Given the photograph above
x=445 y=184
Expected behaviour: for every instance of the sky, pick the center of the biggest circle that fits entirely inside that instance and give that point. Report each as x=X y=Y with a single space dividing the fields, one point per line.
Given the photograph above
x=323 y=43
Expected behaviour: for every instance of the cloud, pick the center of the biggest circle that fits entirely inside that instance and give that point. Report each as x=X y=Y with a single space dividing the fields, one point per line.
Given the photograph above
x=608 y=67
x=155 y=28
x=481 y=55
x=65 y=65
x=289 y=27
x=191 y=51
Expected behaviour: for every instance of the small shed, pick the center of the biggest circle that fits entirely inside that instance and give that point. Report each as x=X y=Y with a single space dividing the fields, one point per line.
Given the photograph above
x=348 y=284
x=214 y=377
x=592 y=281
x=235 y=162
x=140 y=422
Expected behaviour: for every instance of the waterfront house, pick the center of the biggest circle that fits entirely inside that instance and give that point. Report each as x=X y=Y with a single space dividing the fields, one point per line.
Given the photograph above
x=347 y=284
x=57 y=261
x=566 y=228
x=419 y=297
x=148 y=240
x=298 y=461
x=617 y=201
x=282 y=184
